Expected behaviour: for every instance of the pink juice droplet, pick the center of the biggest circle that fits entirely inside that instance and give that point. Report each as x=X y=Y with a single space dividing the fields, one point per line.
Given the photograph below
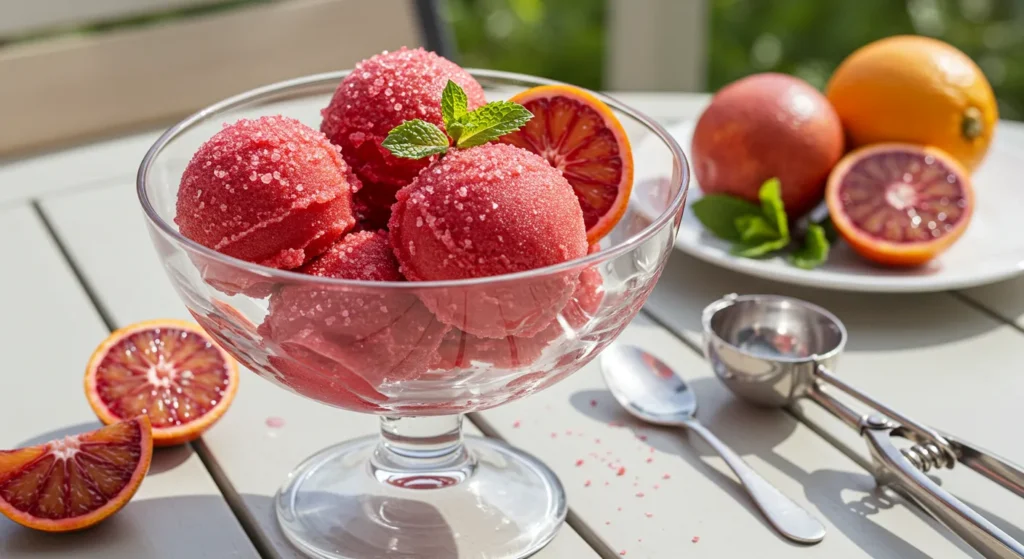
x=275 y=422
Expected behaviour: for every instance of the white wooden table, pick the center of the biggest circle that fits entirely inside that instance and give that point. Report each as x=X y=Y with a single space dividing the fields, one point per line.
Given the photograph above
x=78 y=262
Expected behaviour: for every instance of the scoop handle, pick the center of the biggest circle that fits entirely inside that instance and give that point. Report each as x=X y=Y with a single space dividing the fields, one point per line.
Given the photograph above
x=988 y=464
x=917 y=432
x=785 y=515
x=893 y=469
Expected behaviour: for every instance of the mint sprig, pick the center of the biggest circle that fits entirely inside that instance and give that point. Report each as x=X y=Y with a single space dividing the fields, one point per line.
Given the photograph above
x=454 y=104
x=814 y=253
x=759 y=230
x=416 y=139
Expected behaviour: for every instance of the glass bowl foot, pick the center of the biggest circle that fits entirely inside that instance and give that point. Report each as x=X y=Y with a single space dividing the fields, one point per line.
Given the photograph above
x=501 y=503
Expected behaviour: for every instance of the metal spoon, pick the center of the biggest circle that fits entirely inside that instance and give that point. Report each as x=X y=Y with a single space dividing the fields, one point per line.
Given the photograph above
x=652 y=392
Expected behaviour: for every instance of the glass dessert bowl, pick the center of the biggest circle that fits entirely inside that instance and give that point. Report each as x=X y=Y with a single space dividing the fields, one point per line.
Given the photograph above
x=419 y=488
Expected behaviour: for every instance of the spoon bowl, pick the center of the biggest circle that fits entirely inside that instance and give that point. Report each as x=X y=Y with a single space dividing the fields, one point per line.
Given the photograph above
x=659 y=396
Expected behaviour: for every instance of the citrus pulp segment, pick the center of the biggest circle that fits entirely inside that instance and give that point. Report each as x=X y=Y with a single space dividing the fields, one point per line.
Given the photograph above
x=900 y=204
x=78 y=481
x=168 y=370
x=580 y=136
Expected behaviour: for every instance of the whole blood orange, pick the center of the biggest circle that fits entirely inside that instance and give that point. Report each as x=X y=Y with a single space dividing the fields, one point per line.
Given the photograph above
x=580 y=136
x=763 y=126
x=78 y=481
x=900 y=204
x=168 y=370
x=916 y=90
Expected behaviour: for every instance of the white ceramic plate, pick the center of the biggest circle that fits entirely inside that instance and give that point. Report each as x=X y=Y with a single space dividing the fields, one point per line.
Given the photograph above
x=991 y=249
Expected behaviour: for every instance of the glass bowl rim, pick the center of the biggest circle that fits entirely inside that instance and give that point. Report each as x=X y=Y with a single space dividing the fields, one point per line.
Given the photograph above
x=680 y=175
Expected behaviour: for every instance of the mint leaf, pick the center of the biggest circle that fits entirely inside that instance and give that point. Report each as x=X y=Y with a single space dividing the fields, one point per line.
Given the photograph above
x=719 y=212
x=454 y=106
x=755 y=229
x=770 y=195
x=830 y=229
x=814 y=253
x=490 y=122
x=757 y=250
x=416 y=139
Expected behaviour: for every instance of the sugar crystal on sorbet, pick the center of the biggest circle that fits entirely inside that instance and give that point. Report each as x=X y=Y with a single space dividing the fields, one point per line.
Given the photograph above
x=270 y=191
x=380 y=93
x=487 y=211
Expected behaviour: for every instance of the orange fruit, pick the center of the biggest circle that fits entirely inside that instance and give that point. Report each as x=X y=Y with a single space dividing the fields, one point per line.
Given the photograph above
x=168 y=370
x=580 y=136
x=900 y=204
x=764 y=126
x=915 y=90
x=78 y=481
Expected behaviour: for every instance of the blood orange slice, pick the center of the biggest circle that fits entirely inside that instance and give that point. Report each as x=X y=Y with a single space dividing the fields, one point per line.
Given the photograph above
x=580 y=136
x=78 y=481
x=900 y=204
x=169 y=370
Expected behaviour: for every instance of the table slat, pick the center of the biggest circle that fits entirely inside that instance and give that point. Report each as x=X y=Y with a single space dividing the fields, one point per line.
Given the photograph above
x=48 y=332
x=931 y=356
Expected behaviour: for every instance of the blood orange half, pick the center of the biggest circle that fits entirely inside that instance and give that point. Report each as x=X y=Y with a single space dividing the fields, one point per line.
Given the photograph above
x=900 y=204
x=78 y=481
x=169 y=370
x=580 y=136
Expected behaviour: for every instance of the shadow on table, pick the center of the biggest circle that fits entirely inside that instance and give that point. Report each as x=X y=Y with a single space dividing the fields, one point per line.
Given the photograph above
x=361 y=525
x=164 y=459
x=876 y=321
x=155 y=528
x=824 y=489
x=159 y=527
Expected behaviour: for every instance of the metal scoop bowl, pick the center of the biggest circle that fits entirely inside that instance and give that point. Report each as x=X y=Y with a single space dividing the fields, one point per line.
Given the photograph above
x=772 y=350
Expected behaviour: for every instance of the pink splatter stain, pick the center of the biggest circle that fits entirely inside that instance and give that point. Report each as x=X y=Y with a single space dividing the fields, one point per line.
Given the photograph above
x=623 y=552
x=666 y=476
x=621 y=471
x=579 y=462
x=516 y=424
x=649 y=514
x=649 y=460
x=593 y=403
x=642 y=437
x=586 y=483
x=640 y=494
x=275 y=422
x=695 y=539
x=554 y=435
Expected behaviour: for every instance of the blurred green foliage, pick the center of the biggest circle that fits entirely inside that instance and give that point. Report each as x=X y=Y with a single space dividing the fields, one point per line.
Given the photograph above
x=558 y=39
x=564 y=39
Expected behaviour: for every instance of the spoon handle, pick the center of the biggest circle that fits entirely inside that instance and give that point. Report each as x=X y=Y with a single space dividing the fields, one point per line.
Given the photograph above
x=786 y=516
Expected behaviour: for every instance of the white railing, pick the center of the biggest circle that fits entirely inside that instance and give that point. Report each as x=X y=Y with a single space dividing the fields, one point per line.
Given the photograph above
x=656 y=45
x=78 y=87
x=18 y=17
x=83 y=86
